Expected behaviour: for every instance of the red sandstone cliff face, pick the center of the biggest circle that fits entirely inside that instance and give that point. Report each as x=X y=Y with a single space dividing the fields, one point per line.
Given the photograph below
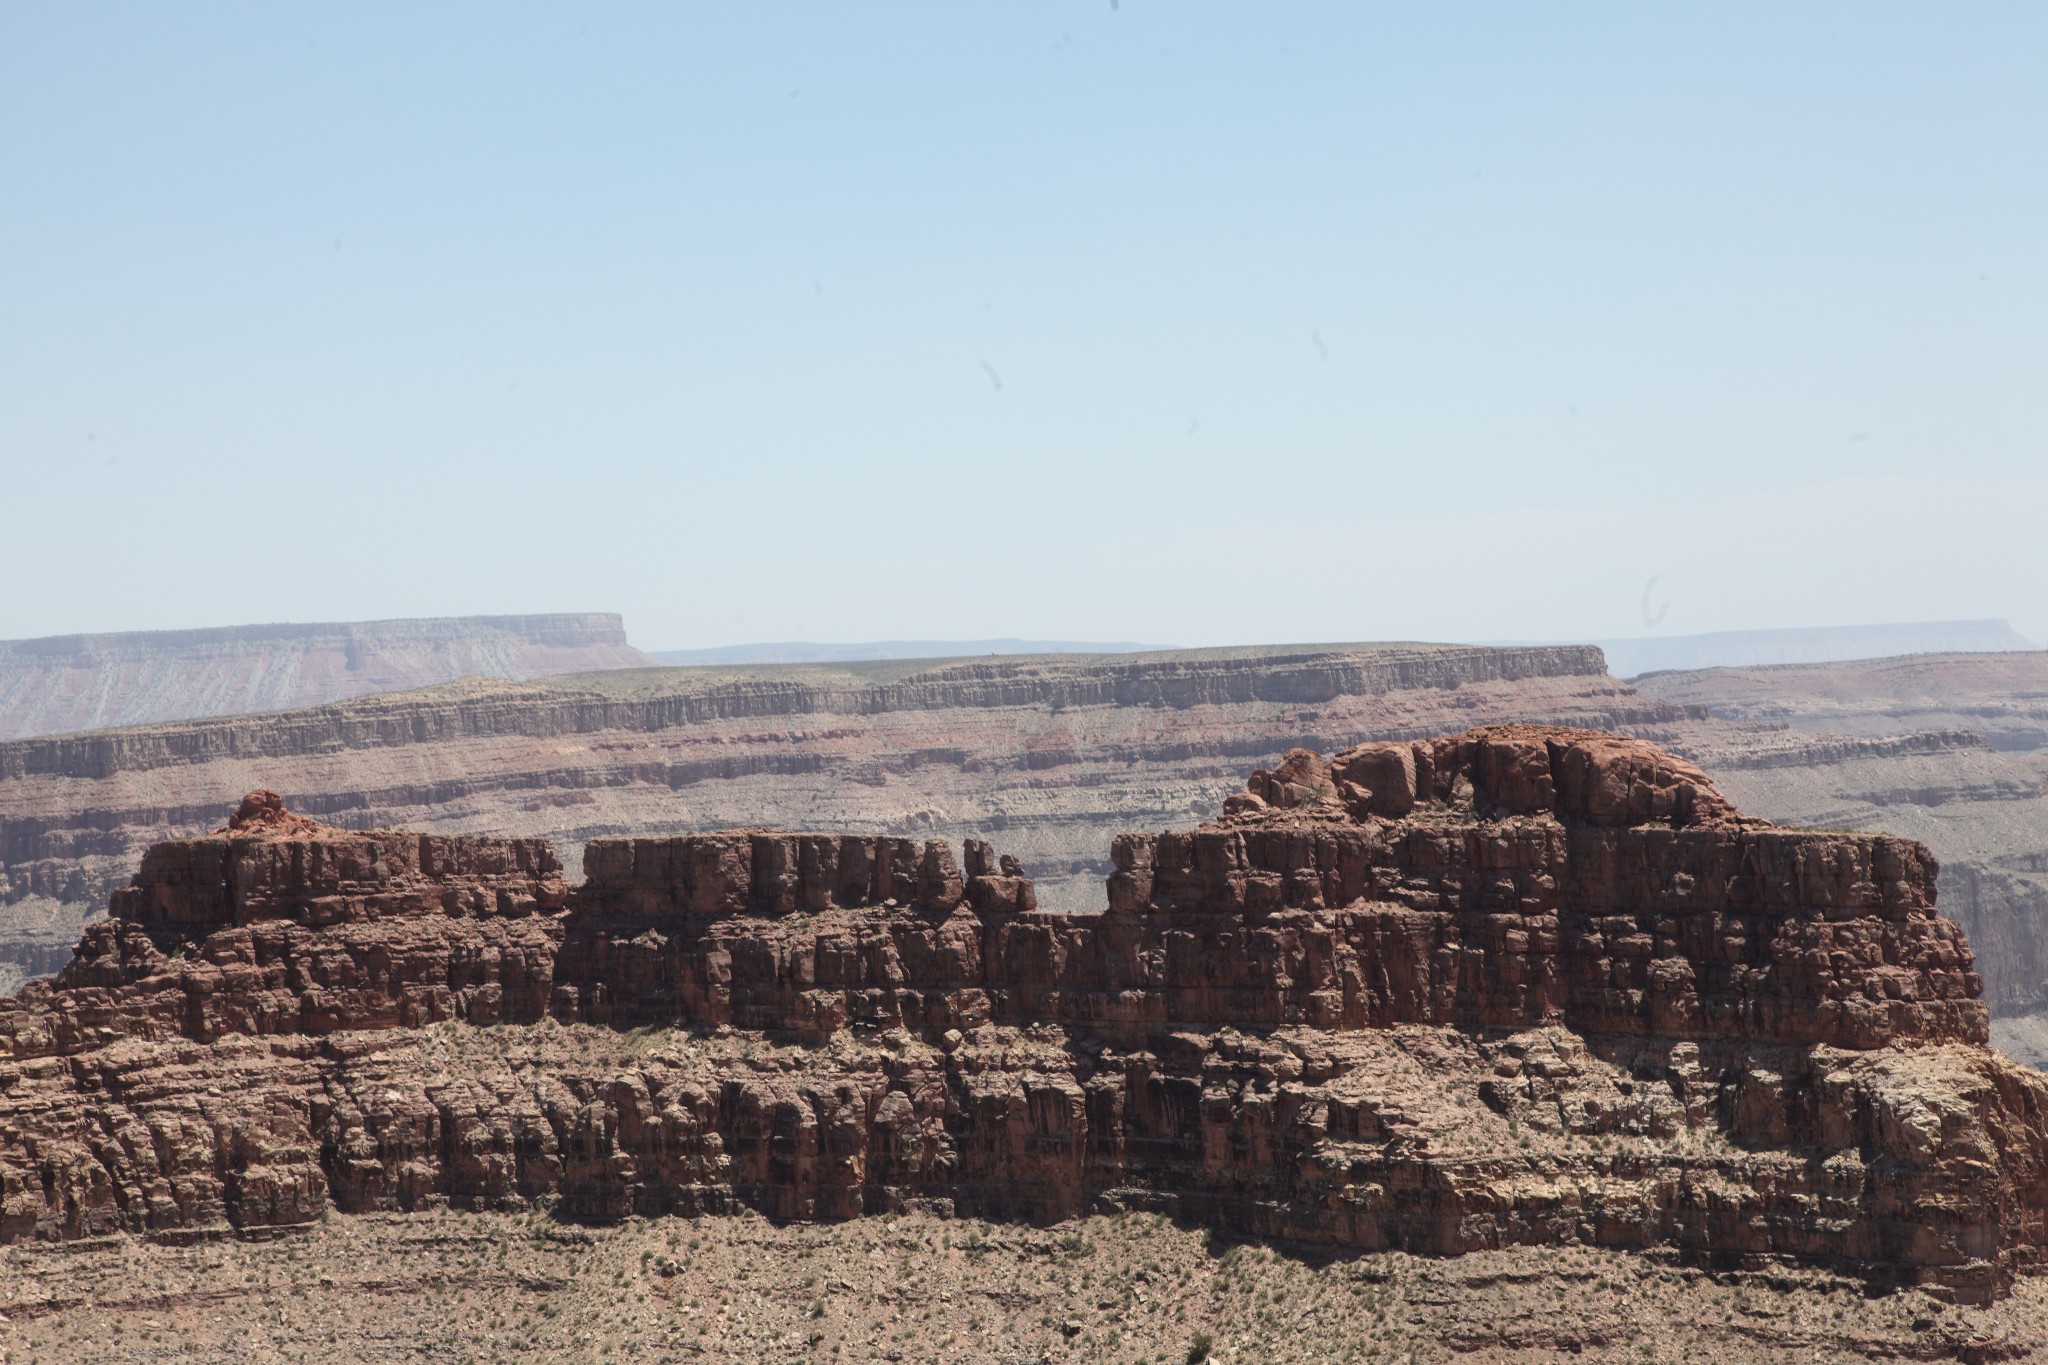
x=1951 y=750
x=1515 y=986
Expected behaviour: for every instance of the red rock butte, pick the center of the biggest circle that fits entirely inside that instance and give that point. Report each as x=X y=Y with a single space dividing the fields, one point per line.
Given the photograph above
x=1518 y=986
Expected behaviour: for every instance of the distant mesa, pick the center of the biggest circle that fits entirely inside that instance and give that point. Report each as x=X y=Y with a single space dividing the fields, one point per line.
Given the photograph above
x=812 y=652
x=1626 y=657
x=62 y=683
x=1631 y=658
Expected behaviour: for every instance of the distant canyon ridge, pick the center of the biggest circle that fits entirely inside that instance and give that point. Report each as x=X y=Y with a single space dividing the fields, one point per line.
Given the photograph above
x=64 y=683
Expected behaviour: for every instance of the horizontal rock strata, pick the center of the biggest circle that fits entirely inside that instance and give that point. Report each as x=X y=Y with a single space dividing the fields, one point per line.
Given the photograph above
x=1517 y=986
x=1052 y=755
x=1950 y=750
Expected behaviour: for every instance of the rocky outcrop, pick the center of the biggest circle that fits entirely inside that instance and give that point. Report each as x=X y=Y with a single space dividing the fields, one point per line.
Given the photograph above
x=1517 y=986
x=1951 y=750
x=84 y=682
x=276 y=925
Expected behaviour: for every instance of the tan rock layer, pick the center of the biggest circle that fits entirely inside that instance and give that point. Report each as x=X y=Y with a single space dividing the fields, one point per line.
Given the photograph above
x=1517 y=986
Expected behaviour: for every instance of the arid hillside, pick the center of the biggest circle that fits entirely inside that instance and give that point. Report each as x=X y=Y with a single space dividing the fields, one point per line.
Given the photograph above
x=84 y=682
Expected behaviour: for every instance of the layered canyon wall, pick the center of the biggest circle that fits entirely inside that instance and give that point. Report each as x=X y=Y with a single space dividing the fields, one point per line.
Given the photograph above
x=1518 y=986
x=1951 y=750
x=1053 y=755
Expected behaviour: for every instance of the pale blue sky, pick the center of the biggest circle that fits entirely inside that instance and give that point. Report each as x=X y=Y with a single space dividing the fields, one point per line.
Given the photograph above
x=1310 y=322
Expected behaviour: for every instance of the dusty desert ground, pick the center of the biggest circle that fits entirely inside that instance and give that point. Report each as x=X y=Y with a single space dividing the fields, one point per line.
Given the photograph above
x=1129 y=1287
